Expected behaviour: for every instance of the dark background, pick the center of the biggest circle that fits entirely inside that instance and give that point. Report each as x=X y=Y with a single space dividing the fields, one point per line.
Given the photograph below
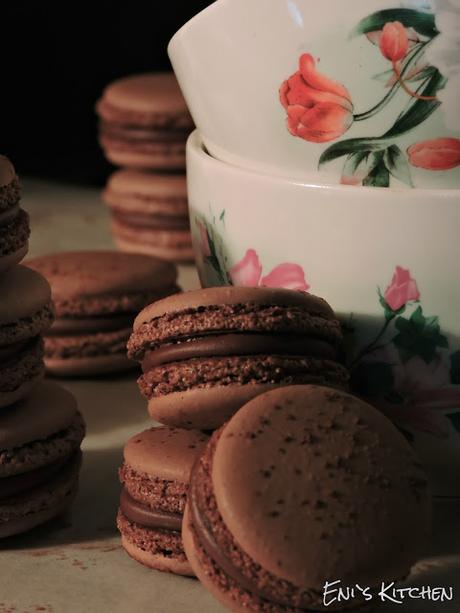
x=56 y=59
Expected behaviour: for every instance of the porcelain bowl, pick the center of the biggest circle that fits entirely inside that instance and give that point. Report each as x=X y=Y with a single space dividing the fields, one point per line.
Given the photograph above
x=361 y=92
x=386 y=260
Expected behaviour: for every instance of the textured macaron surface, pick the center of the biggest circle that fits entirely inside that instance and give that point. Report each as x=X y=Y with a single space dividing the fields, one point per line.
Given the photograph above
x=25 y=305
x=39 y=430
x=307 y=484
x=103 y=282
x=157 y=466
x=9 y=185
x=150 y=99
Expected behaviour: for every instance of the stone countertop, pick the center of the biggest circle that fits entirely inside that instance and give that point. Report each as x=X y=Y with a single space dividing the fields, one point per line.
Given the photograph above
x=76 y=564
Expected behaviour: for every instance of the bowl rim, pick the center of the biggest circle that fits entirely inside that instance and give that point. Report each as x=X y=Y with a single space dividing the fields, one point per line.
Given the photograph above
x=174 y=40
x=197 y=148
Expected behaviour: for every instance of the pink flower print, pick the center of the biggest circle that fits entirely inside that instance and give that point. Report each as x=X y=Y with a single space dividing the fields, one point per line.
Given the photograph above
x=402 y=289
x=394 y=42
x=248 y=273
x=318 y=108
x=205 y=249
x=289 y=276
x=436 y=154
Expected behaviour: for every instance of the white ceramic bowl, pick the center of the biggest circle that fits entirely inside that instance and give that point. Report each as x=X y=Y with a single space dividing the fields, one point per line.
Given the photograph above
x=386 y=260
x=287 y=86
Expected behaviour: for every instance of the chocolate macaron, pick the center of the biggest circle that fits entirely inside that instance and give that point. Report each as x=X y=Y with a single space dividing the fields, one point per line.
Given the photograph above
x=149 y=214
x=155 y=477
x=144 y=122
x=205 y=353
x=26 y=312
x=14 y=221
x=96 y=295
x=304 y=485
x=39 y=458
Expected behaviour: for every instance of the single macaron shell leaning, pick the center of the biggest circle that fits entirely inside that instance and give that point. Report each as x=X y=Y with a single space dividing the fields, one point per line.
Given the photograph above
x=304 y=485
x=144 y=122
x=149 y=214
x=96 y=295
x=40 y=458
x=155 y=477
x=26 y=312
x=205 y=353
x=14 y=221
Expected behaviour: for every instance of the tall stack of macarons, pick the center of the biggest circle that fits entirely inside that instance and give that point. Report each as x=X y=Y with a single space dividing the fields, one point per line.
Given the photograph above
x=143 y=126
x=40 y=426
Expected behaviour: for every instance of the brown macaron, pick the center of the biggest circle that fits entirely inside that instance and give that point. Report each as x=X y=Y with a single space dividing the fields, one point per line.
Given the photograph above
x=39 y=458
x=205 y=353
x=304 y=485
x=14 y=221
x=96 y=295
x=26 y=312
x=144 y=122
x=149 y=214
x=155 y=477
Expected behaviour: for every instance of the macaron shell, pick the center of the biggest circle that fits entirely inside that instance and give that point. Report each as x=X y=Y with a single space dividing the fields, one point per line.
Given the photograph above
x=143 y=185
x=7 y=172
x=172 y=246
x=89 y=365
x=204 y=409
x=324 y=475
x=168 y=156
x=86 y=274
x=234 y=295
x=32 y=520
x=9 y=398
x=146 y=93
x=47 y=410
x=165 y=453
x=190 y=548
x=24 y=292
x=163 y=563
x=11 y=259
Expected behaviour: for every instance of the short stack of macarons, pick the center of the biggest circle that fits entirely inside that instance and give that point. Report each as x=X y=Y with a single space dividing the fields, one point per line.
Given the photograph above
x=204 y=354
x=300 y=483
x=143 y=126
x=40 y=426
x=96 y=296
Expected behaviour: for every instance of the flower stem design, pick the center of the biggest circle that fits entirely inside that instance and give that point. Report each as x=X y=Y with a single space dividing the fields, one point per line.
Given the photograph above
x=406 y=88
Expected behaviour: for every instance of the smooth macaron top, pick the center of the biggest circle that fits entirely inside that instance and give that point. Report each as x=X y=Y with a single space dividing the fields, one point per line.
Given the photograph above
x=165 y=453
x=7 y=172
x=216 y=296
x=103 y=281
x=23 y=293
x=47 y=410
x=147 y=185
x=315 y=484
x=145 y=93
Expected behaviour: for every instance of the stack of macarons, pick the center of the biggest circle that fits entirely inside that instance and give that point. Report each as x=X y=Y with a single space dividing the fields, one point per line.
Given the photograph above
x=40 y=426
x=96 y=296
x=143 y=127
x=204 y=354
x=300 y=483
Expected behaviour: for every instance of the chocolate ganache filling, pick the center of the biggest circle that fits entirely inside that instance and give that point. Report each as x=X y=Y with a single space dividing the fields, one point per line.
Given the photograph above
x=17 y=484
x=239 y=344
x=151 y=222
x=208 y=543
x=143 y=515
x=75 y=326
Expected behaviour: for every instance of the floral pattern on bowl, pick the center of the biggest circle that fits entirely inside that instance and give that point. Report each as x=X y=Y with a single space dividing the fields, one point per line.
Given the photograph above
x=407 y=369
x=416 y=44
